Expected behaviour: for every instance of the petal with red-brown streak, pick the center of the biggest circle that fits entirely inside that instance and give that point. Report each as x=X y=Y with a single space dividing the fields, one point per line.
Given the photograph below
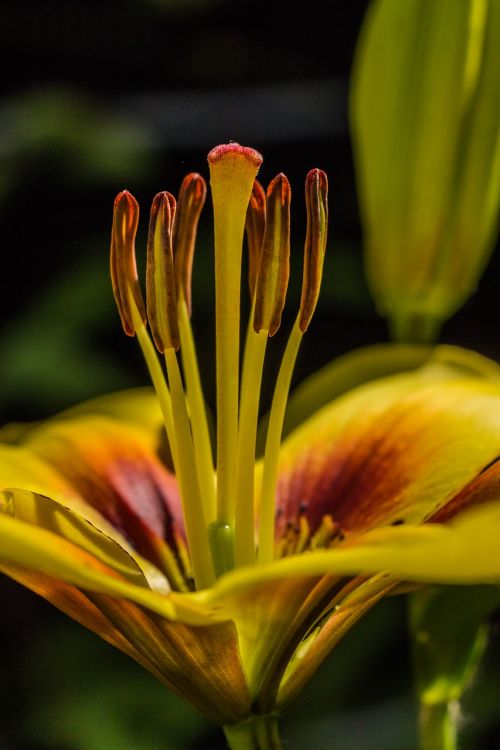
x=390 y=452
x=199 y=663
x=113 y=467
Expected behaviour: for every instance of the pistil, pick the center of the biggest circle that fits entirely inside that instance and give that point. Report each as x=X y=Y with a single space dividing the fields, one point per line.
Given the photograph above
x=233 y=169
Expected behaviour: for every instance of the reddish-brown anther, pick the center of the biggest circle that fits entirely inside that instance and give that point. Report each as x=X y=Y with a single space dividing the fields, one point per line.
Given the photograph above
x=274 y=266
x=190 y=203
x=124 y=278
x=160 y=279
x=254 y=230
x=315 y=244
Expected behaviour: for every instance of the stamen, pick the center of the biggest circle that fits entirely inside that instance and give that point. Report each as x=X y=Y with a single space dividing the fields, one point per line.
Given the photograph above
x=233 y=169
x=270 y=291
x=304 y=533
x=124 y=276
x=296 y=537
x=244 y=529
x=192 y=502
x=274 y=267
x=189 y=206
x=314 y=253
x=273 y=444
x=160 y=280
x=198 y=414
x=162 y=315
x=254 y=229
x=325 y=533
x=190 y=202
x=220 y=527
x=160 y=386
x=315 y=245
x=130 y=302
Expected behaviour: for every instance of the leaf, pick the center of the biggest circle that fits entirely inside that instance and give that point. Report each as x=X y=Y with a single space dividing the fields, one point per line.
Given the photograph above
x=447 y=626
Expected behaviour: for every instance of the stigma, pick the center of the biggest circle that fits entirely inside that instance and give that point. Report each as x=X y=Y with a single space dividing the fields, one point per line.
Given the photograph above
x=217 y=482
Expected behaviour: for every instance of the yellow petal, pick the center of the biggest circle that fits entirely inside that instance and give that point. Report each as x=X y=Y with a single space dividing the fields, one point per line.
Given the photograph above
x=463 y=551
x=88 y=530
x=115 y=469
x=200 y=663
x=29 y=547
x=19 y=467
x=54 y=552
x=135 y=406
x=378 y=361
x=392 y=451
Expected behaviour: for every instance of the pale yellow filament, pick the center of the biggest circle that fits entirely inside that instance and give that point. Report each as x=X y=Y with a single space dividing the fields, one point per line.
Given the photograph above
x=198 y=414
x=249 y=411
x=194 y=515
x=273 y=442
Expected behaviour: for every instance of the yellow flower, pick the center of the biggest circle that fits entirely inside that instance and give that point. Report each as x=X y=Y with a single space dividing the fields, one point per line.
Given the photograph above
x=232 y=584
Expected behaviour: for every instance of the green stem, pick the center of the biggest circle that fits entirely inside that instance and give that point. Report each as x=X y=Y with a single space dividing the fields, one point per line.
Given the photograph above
x=438 y=726
x=414 y=328
x=259 y=733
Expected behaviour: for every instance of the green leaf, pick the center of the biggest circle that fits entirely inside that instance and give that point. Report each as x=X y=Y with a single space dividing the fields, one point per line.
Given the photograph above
x=448 y=636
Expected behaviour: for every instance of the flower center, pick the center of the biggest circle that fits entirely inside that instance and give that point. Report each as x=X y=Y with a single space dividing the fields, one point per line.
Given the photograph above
x=218 y=504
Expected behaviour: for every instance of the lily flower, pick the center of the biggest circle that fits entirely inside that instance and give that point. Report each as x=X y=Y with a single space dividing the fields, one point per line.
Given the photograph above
x=230 y=578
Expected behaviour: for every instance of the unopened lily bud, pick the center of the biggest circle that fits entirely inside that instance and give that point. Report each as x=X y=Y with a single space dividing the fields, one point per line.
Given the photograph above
x=160 y=279
x=425 y=112
x=190 y=202
x=315 y=244
x=254 y=230
x=124 y=276
x=274 y=266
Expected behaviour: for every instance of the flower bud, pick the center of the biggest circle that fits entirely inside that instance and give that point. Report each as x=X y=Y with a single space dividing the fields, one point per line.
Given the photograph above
x=425 y=113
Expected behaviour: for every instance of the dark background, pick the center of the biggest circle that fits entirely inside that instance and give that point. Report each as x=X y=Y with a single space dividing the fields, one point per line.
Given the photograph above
x=97 y=97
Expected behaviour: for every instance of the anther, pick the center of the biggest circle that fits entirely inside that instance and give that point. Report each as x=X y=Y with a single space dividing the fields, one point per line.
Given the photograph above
x=274 y=266
x=124 y=276
x=160 y=280
x=190 y=202
x=254 y=230
x=315 y=244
